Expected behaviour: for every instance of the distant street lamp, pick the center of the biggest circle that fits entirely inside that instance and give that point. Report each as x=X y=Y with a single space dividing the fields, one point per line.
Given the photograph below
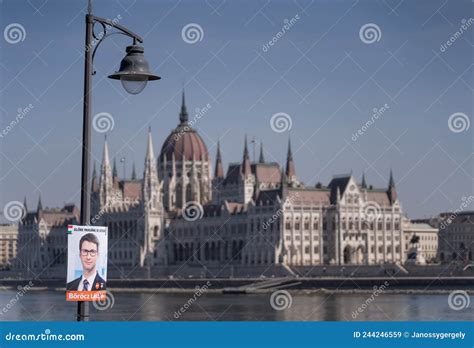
x=134 y=73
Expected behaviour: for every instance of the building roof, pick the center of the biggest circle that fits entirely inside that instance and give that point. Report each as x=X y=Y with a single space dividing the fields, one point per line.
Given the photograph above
x=464 y=217
x=54 y=216
x=412 y=226
x=338 y=183
x=131 y=189
x=263 y=172
x=266 y=172
x=184 y=142
x=268 y=197
x=379 y=197
x=309 y=196
x=233 y=174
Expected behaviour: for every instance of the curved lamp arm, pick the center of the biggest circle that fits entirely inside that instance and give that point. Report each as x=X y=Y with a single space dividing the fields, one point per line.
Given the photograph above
x=106 y=24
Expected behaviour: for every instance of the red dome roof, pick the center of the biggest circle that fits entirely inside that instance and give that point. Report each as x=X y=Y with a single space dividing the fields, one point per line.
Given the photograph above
x=184 y=141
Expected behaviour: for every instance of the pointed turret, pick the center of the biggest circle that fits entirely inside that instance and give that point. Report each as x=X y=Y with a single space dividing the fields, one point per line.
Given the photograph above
x=219 y=170
x=25 y=206
x=150 y=177
x=105 y=182
x=392 y=192
x=40 y=205
x=150 y=154
x=134 y=172
x=183 y=115
x=290 y=165
x=261 y=159
x=245 y=169
x=363 y=184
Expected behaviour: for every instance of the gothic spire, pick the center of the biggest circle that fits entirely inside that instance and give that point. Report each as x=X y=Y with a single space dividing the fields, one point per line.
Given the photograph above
x=40 y=205
x=290 y=165
x=105 y=182
x=149 y=149
x=364 y=184
x=150 y=176
x=392 y=192
x=391 y=182
x=134 y=173
x=219 y=170
x=246 y=170
x=105 y=157
x=183 y=115
x=25 y=206
x=261 y=159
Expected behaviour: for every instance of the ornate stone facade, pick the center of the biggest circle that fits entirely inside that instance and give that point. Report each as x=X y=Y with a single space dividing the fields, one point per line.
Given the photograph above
x=255 y=213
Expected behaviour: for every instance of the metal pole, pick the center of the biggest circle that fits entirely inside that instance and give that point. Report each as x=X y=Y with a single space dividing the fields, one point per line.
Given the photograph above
x=83 y=307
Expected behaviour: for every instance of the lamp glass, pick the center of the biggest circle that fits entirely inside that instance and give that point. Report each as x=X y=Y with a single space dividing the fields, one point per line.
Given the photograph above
x=134 y=84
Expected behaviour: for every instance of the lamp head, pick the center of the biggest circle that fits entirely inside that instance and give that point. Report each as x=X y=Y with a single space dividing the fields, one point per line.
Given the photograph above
x=134 y=72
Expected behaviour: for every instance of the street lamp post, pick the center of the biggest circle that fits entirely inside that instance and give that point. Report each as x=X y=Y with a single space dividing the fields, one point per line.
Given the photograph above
x=134 y=73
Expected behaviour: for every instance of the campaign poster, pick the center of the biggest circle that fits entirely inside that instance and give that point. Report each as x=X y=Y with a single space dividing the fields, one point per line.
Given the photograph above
x=86 y=263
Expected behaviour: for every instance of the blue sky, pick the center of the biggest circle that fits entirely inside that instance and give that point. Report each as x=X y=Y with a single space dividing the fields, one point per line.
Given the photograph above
x=320 y=73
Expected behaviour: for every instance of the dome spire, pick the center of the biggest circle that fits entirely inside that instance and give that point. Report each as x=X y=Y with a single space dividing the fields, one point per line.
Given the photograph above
x=183 y=115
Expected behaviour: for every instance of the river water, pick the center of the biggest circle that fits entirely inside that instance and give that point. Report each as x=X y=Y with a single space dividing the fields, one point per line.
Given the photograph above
x=148 y=306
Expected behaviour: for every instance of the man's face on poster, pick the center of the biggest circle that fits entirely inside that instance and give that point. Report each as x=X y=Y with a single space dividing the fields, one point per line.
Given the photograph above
x=88 y=253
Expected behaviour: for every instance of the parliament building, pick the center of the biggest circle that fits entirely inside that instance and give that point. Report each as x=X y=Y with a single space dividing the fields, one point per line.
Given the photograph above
x=188 y=210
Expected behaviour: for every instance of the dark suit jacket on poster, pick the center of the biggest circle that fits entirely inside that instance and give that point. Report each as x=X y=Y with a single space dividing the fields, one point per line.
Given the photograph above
x=97 y=285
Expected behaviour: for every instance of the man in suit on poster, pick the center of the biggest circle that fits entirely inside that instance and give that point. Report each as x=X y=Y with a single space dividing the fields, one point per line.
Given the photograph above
x=89 y=253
